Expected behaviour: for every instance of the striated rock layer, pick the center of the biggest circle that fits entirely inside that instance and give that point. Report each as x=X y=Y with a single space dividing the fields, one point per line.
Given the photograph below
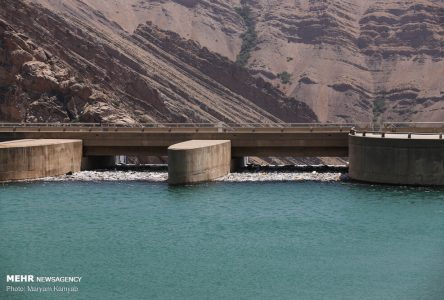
x=358 y=60
x=346 y=60
x=67 y=62
x=349 y=60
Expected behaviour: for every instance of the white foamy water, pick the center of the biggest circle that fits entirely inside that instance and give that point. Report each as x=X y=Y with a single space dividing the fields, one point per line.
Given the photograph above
x=163 y=176
x=280 y=176
x=112 y=176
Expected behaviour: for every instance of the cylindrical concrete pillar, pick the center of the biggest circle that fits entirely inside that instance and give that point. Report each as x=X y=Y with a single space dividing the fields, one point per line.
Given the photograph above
x=198 y=161
x=29 y=159
x=397 y=160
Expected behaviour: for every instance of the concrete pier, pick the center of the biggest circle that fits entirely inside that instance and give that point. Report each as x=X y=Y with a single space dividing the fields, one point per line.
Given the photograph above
x=410 y=159
x=31 y=159
x=198 y=161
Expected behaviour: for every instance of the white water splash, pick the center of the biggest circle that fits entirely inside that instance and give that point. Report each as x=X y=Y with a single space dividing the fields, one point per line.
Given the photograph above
x=163 y=176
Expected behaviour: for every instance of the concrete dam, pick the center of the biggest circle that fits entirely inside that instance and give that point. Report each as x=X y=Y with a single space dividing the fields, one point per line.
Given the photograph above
x=413 y=154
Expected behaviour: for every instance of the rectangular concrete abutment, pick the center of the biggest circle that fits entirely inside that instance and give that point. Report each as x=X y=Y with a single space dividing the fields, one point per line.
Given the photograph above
x=198 y=161
x=31 y=159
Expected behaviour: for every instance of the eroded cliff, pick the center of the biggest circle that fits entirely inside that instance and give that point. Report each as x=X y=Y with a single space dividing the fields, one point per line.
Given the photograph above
x=348 y=60
x=75 y=65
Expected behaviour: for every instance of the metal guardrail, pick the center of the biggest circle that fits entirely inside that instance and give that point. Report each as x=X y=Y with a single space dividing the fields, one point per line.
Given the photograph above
x=109 y=125
x=296 y=125
x=387 y=127
x=383 y=133
x=390 y=125
x=183 y=127
x=187 y=125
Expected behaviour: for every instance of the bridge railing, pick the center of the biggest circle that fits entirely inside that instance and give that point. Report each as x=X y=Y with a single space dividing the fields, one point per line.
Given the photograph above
x=111 y=125
x=412 y=124
x=397 y=134
x=385 y=125
x=425 y=127
x=187 y=125
x=292 y=125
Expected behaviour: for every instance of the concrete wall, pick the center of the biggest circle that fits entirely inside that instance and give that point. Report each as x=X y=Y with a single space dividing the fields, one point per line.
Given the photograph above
x=29 y=159
x=397 y=161
x=198 y=161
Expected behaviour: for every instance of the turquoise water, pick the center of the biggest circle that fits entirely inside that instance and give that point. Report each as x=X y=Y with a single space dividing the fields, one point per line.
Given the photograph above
x=225 y=240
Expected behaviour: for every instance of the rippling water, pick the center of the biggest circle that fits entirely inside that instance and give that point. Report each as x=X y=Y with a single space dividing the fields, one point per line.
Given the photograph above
x=305 y=240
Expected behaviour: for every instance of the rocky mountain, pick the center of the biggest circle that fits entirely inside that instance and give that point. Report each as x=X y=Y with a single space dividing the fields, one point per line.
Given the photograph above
x=67 y=62
x=349 y=60
x=356 y=60
x=180 y=60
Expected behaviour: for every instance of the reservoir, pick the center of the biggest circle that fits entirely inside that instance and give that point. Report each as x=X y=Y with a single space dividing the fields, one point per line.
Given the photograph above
x=225 y=240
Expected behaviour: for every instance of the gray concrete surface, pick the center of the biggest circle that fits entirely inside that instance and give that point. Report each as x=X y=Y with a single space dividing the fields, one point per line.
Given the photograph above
x=31 y=159
x=397 y=159
x=198 y=161
x=262 y=142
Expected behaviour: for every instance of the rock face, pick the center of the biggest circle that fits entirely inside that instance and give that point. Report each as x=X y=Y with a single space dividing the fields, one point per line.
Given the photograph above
x=67 y=62
x=358 y=60
x=37 y=86
x=164 y=60
x=348 y=60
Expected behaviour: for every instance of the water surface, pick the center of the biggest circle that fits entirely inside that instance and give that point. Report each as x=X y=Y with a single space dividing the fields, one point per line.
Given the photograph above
x=305 y=240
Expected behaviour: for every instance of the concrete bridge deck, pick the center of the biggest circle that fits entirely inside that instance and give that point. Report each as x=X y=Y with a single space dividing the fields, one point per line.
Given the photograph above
x=248 y=139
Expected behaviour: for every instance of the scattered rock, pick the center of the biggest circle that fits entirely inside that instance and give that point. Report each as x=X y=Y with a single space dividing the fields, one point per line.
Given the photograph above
x=81 y=90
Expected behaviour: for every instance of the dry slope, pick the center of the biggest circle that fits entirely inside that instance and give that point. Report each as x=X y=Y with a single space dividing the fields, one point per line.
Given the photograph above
x=353 y=60
x=67 y=62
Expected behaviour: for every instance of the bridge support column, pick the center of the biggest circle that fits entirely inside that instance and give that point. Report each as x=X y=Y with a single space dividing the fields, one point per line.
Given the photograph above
x=98 y=162
x=397 y=160
x=238 y=163
x=31 y=159
x=198 y=161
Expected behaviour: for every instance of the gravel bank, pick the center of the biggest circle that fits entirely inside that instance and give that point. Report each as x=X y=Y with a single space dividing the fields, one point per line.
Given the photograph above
x=233 y=177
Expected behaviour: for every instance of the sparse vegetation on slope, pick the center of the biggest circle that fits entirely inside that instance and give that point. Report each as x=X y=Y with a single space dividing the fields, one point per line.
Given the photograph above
x=249 y=37
x=284 y=77
x=378 y=108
